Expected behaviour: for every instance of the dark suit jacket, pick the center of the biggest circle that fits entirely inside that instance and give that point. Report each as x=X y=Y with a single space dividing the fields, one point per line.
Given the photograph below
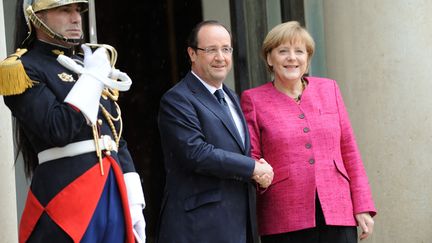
x=209 y=196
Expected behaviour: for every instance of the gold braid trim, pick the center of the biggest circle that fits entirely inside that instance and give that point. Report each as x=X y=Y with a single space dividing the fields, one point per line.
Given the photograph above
x=113 y=94
x=111 y=120
x=97 y=146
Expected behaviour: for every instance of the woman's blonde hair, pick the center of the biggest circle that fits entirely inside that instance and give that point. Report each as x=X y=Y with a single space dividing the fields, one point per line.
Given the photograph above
x=287 y=32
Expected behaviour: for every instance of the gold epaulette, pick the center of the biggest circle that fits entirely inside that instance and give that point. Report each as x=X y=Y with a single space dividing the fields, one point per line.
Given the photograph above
x=13 y=78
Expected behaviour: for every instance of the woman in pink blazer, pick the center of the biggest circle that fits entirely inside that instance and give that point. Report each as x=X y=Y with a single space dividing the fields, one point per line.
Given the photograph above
x=300 y=126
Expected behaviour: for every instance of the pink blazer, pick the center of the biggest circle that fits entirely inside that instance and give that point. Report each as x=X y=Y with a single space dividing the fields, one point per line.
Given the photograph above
x=311 y=147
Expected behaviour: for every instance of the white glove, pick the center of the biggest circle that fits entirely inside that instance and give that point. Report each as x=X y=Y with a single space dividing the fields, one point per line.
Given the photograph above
x=86 y=92
x=136 y=204
x=117 y=80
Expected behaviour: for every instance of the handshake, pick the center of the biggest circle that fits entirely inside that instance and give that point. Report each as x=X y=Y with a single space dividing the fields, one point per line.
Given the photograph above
x=263 y=173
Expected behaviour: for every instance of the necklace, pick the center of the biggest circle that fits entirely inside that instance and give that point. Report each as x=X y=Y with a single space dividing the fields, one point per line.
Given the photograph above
x=298 y=98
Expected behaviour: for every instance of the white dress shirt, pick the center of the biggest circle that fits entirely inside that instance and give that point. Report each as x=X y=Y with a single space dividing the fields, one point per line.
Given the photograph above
x=234 y=114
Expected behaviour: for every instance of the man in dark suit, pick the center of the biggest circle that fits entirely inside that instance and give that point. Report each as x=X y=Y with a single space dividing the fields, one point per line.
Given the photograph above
x=210 y=188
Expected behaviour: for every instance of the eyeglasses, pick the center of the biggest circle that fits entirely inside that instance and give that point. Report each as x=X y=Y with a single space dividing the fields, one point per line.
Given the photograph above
x=214 y=50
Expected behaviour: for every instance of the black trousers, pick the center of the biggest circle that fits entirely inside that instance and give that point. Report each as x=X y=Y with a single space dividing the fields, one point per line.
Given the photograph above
x=322 y=233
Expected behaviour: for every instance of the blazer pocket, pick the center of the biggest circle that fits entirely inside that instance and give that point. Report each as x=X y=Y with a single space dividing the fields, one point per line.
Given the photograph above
x=201 y=199
x=281 y=174
x=341 y=169
x=324 y=112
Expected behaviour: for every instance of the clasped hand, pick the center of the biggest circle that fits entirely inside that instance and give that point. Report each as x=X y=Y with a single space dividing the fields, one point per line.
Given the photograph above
x=263 y=173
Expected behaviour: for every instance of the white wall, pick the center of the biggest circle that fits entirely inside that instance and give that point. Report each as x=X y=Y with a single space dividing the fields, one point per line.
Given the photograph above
x=380 y=53
x=8 y=211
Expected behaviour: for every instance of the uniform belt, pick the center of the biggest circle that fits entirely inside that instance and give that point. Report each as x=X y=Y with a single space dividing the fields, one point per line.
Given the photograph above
x=74 y=149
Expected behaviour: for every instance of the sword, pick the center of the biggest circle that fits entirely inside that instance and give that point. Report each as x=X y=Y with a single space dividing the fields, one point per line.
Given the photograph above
x=92 y=22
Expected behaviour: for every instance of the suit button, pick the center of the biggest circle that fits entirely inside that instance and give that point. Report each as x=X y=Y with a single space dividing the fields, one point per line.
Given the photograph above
x=301 y=116
x=308 y=145
x=311 y=161
x=306 y=129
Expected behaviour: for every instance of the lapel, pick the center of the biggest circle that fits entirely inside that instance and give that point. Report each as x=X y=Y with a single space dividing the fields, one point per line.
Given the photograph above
x=209 y=101
x=239 y=111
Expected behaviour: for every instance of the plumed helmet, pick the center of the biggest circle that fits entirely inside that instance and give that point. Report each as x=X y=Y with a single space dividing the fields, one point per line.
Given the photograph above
x=31 y=7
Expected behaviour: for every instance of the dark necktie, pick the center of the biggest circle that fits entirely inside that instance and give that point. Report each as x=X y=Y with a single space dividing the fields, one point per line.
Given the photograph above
x=221 y=98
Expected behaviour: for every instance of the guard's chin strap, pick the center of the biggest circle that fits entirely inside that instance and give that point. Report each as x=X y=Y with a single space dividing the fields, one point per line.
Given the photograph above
x=38 y=23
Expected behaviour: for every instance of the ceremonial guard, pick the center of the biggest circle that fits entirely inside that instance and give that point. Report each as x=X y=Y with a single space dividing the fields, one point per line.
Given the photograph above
x=84 y=187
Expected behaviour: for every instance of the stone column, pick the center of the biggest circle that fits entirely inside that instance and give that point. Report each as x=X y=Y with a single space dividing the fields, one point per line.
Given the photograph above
x=249 y=28
x=380 y=53
x=8 y=209
x=219 y=10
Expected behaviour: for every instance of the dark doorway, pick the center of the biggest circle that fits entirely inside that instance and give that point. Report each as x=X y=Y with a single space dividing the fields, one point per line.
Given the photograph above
x=150 y=38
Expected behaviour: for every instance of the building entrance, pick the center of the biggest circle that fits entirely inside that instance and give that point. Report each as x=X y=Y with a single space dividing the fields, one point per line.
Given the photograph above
x=150 y=37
